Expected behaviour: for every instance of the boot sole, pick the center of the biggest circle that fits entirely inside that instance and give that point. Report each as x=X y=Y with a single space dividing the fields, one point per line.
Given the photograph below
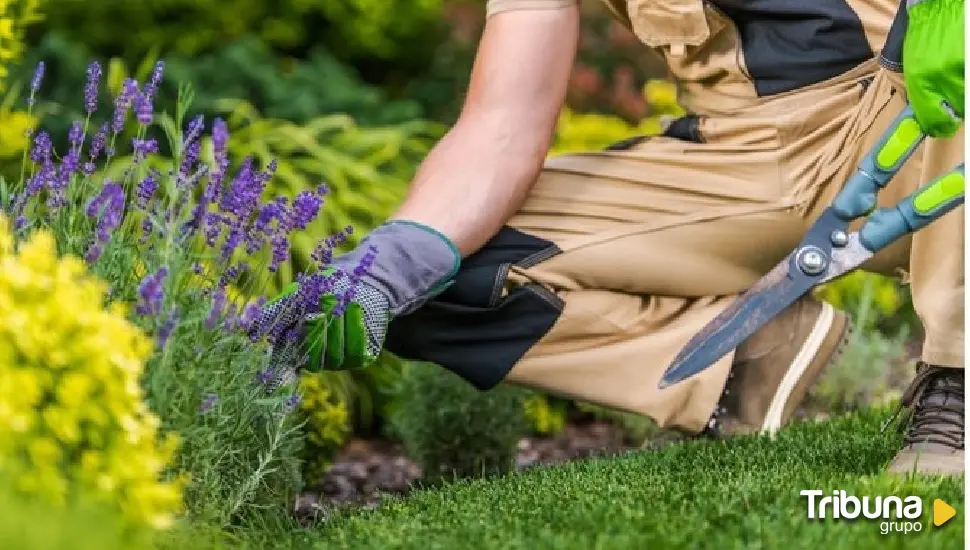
x=808 y=364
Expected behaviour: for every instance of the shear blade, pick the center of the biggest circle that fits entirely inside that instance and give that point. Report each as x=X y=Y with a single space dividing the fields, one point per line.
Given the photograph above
x=750 y=311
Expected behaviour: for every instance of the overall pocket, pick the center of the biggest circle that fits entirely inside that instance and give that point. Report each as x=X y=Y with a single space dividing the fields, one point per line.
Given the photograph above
x=673 y=25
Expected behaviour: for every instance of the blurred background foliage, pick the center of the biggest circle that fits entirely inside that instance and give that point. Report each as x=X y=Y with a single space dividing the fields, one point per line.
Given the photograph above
x=354 y=93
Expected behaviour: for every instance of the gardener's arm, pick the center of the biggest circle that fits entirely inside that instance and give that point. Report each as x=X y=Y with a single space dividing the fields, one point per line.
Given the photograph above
x=470 y=184
x=478 y=175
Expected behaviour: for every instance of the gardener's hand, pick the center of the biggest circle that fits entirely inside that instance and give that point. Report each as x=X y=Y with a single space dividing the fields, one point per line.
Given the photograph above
x=933 y=59
x=337 y=319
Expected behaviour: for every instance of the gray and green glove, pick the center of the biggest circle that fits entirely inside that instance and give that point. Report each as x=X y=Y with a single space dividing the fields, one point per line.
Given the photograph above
x=337 y=319
x=933 y=59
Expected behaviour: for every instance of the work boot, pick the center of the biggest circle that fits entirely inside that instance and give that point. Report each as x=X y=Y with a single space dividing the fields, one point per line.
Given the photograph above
x=774 y=368
x=934 y=435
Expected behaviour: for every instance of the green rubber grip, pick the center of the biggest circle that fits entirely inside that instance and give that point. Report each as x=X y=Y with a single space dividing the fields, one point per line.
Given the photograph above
x=919 y=209
x=878 y=167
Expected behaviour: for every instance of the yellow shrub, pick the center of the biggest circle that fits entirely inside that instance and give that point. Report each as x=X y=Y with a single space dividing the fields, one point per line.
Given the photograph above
x=73 y=420
x=881 y=294
x=543 y=416
x=328 y=424
x=15 y=125
x=579 y=132
x=15 y=16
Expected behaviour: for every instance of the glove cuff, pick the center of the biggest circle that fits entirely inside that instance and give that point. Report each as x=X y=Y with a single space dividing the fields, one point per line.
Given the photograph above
x=411 y=263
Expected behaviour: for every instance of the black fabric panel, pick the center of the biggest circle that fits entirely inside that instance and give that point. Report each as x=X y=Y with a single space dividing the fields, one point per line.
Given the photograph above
x=468 y=329
x=686 y=128
x=891 y=56
x=789 y=44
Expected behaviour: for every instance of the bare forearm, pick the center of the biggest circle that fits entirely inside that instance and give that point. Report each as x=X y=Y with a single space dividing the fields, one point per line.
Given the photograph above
x=479 y=174
x=475 y=179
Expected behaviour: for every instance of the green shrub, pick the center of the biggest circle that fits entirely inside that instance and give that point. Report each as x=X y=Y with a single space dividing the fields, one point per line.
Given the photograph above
x=294 y=90
x=869 y=370
x=181 y=27
x=453 y=430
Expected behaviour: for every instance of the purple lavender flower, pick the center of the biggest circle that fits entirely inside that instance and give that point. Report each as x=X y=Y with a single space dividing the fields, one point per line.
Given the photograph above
x=233 y=240
x=151 y=292
x=165 y=331
x=275 y=210
x=146 y=230
x=20 y=223
x=58 y=184
x=245 y=191
x=306 y=206
x=264 y=376
x=213 y=227
x=196 y=125
x=42 y=149
x=251 y=313
x=35 y=83
x=229 y=275
x=97 y=145
x=207 y=403
x=359 y=270
x=323 y=253
x=93 y=254
x=143 y=148
x=218 y=305
x=261 y=228
x=143 y=109
x=293 y=401
x=281 y=251
x=91 y=87
x=152 y=86
x=189 y=158
x=108 y=207
x=122 y=103
x=145 y=190
x=312 y=288
x=76 y=134
x=220 y=137
x=40 y=180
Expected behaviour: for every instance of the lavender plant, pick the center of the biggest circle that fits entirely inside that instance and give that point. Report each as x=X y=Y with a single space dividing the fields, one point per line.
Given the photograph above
x=190 y=246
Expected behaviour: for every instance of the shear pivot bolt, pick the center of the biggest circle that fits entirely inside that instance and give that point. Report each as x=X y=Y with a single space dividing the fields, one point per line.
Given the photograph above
x=812 y=262
x=840 y=238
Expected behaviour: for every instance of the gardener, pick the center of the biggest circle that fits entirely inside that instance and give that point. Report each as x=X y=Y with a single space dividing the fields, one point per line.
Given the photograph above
x=584 y=275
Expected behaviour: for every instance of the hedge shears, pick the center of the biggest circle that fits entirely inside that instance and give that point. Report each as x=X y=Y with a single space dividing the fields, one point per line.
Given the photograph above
x=829 y=250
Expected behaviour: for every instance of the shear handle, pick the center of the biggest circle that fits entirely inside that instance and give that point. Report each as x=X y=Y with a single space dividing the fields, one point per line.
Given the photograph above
x=919 y=209
x=858 y=197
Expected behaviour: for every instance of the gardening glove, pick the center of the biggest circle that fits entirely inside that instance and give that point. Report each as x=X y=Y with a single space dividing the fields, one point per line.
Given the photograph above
x=338 y=319
x=933 y=60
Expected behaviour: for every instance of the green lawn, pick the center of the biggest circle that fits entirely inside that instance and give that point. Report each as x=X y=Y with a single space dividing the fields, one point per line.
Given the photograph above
x=740 y=494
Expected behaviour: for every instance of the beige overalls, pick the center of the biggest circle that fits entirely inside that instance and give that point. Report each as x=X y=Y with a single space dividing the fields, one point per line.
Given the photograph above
x=656 y=239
